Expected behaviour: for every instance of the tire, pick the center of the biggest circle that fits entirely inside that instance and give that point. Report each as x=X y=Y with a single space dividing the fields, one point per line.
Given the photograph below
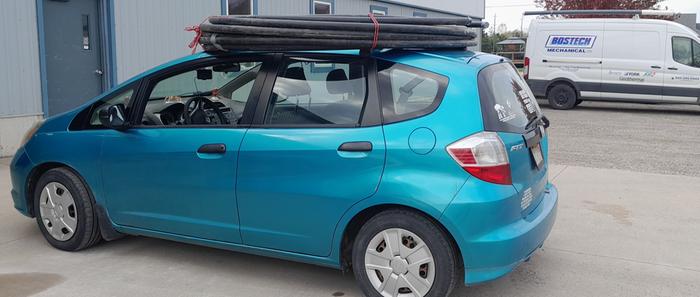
x=578 y=102
x=438 y=277
x=56 y=214
x=562 y=96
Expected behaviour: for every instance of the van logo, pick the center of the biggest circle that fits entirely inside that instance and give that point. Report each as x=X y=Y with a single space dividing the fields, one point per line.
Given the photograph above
x=570 y=43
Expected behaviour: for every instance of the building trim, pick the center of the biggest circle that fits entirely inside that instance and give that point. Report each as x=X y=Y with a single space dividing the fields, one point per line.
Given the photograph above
x=42 y=57
x=429 y=8
x=26 y=115
x=109 y=43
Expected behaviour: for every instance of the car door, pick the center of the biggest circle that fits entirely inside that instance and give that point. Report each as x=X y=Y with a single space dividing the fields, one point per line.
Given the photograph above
x=315 y=149
x=174 y=171
x=682 y=79
x=633 y=62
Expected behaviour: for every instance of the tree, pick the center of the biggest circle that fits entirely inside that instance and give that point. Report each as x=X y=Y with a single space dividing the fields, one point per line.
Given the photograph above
x=597 y=4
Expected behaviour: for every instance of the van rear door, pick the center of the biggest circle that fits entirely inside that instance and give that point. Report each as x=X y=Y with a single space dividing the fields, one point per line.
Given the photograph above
x=510 y=109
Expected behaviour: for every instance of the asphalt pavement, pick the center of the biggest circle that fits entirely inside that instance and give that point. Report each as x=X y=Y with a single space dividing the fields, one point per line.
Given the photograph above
x=623 y=229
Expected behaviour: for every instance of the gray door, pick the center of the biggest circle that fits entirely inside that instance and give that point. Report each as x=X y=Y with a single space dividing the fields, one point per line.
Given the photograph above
x=73 y=53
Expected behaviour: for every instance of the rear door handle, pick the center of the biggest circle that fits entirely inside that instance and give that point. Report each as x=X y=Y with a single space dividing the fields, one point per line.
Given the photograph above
x=214 y=148
x=356 y=146
x=656 y=67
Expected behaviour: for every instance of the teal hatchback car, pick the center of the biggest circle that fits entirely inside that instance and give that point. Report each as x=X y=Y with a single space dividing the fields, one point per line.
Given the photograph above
x=417 y=170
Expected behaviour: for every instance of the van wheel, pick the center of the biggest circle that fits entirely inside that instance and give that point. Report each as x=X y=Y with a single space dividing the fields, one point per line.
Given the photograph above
x=65 y=212
x=578 y=102
x=401 y=253
x=562 y=96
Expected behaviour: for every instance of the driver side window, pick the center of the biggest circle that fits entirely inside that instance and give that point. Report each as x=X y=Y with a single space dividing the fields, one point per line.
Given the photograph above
x=686 y=51
x=214 y=95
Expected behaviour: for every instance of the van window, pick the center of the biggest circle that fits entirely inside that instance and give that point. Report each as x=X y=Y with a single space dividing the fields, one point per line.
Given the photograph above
x=686 y=51
x=507 y=103
x=408 y=92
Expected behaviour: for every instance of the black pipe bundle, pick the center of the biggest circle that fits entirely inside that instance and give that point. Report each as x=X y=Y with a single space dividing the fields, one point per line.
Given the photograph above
x=285 y=33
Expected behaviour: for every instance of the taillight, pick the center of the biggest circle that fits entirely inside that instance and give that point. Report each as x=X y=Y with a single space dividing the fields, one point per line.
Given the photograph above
x=526 y=68
x=484 y=156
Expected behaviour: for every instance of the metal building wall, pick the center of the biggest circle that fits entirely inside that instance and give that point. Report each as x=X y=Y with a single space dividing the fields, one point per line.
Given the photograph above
x=149 y=33
x=20 y=80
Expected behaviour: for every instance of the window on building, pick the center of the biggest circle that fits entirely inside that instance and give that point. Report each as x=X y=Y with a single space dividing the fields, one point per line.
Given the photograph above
x=420 y=14
x=378 y=10
x=308 y=94
x=240 y=7
x=322 y=7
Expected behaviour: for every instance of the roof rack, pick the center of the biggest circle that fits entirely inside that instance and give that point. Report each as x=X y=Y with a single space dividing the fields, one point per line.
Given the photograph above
x=634 y=13
x=290 y=33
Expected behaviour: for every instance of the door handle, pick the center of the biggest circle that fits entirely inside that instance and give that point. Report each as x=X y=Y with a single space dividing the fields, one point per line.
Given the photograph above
x=356 y=146
x=214 y=148
x=656 y=67
x=672 y=68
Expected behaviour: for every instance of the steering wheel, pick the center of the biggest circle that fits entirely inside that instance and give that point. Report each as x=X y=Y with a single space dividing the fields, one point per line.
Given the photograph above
x=195 y=113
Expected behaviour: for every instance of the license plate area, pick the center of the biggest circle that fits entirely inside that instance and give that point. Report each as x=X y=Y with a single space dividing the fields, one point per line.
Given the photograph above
x=537 y=155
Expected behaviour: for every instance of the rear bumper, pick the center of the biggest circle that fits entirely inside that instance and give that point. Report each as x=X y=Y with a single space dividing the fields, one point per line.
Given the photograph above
x=495 y=250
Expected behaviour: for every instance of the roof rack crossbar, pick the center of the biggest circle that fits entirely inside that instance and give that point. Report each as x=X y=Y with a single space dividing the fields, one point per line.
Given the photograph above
x=604 y=12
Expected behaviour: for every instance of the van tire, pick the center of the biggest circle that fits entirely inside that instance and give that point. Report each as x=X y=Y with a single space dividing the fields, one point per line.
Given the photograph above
x=562 y=96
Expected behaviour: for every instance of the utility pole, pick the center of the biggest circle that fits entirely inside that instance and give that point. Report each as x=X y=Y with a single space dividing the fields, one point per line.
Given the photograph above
x=493 y=38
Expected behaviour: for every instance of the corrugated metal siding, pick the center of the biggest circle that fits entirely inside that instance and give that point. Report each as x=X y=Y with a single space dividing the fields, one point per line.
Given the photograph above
x=351 y=7
x=20 y=80
x=149 y=33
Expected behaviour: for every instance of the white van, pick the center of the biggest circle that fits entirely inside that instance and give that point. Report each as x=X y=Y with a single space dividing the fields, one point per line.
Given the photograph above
x=635 y=60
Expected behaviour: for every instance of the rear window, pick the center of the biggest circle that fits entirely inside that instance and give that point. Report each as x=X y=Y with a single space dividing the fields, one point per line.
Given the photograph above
x=408 y=93
x=507 y=103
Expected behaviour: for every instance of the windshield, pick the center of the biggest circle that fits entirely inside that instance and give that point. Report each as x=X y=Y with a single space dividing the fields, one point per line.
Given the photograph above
x=507 y=103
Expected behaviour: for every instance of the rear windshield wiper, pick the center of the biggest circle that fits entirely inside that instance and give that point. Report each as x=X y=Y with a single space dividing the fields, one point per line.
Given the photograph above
x=539 y=119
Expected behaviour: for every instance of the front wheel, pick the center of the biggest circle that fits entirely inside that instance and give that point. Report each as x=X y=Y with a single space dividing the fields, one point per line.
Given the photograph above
x=65 y=211
x=402 y=253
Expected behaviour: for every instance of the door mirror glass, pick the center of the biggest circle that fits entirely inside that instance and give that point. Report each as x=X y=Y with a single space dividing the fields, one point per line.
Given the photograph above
x=114 y=117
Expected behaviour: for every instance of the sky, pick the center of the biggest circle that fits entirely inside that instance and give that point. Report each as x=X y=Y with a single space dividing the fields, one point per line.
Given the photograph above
x=510 y=12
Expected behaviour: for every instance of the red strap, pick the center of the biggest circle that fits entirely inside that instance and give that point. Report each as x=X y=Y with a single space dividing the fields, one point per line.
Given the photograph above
x=376 y=30
x=198 y=35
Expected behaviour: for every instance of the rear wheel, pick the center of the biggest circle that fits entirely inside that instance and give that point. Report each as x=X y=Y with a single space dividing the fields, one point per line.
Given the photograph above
x=401 y=253
x=562 y=96
x=65 y=212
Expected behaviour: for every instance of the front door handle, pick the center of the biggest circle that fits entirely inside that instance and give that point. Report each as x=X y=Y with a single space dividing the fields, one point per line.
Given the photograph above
x=214 y=148
x=672 y=68
x=356 y=146
x=656 y=67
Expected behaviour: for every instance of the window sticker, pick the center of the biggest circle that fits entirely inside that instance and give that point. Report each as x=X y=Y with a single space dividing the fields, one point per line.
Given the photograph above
x=504 y=114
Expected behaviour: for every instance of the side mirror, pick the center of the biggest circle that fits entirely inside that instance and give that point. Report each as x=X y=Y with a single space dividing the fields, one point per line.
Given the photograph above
x=114 y=117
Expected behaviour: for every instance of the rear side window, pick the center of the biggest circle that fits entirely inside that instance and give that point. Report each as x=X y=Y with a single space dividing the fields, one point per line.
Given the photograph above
x=507 y=103
x=318 y=93
x=408 y=92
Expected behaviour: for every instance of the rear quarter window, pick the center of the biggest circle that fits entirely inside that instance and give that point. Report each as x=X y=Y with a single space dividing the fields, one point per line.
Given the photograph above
x=507 y=103
x=408 y=92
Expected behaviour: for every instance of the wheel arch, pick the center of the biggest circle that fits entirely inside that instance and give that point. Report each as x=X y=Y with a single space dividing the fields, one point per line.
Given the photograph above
x=34 y=176
x=354 y=225
x=562 y=80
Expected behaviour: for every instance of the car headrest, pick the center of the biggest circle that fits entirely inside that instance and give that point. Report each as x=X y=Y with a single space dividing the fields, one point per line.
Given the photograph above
x=337 y=82
x=292 y=83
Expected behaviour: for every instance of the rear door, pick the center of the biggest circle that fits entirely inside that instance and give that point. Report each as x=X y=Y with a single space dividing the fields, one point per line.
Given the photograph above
x=508 y=106
x=315 y=149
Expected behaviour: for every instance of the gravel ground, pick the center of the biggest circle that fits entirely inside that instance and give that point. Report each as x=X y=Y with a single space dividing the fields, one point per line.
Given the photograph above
x=639 y=137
